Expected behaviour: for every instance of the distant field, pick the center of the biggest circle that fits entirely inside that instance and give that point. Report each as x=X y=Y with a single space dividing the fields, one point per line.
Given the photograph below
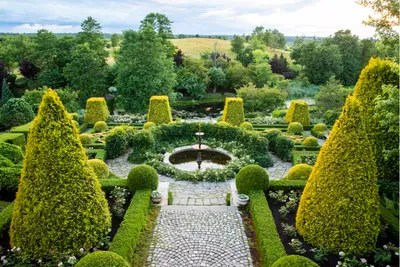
x=193 y=47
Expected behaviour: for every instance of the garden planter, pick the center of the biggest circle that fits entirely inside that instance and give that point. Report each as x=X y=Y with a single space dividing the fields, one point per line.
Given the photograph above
x=242 y=200
x=156 y=197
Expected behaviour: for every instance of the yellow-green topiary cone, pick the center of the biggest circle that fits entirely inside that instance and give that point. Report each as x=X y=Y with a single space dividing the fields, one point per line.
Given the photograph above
x=96 y=110
x=233 y=111
x=339 y=207
x=298 y=112
x=59 y=204
x=159 y=110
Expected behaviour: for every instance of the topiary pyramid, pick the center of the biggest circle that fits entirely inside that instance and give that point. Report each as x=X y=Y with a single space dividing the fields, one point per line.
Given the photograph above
x=96 y=110
x=59 y=205
x=339 y=207
x=298 y=112
x=377 y=73
x=233 y=111
x=159 y=110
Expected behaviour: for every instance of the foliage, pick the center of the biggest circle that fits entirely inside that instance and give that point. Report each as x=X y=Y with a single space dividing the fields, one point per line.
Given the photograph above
x=92 y=37
x=295 y=128
x=68 y=98
x=115 y=38
x=261 y=99
x=148 y=125
x=196 y=67
x=12 y=152
x=16 y=112
x=5 y=219
x=86 y=73
x=269 y=243
x=127 y=237
x=237 y=75
x=330 y=116
x=116 y=142
x=370 y=86
x=217 y=77
x=142 y=177
x=5 y=162
x=143 y=68
x=342 y=189
x=54 y=149
x=160 y=23
x=85 y=139
x=191 y=83
x=283 y=148
x=294 y=261
x=96 y=110
x=252 y=177
x=100 y=126
x=28 y=69
x=159 y=110
x=142 y=142
x=237 y=44
x=233 y=111
x=272 y=135
x=298 y=112
x=299 y=172
x=102 y=259
x=300 y=88
x=13 y=138
x=247 y=126
x=6 y=93
x=310 y=141
x=279 y=113
x=332 y=95
x=99 y=168
x=9 y=178
x=320 y=127
x=245 y=56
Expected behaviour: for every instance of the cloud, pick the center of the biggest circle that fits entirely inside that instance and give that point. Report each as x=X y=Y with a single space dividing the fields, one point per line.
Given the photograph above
x=292 y=17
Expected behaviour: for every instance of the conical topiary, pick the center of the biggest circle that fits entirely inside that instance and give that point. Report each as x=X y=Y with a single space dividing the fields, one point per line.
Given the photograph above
x=6 y=94
x=59 y=205
x=338 y=209
x=376 y=74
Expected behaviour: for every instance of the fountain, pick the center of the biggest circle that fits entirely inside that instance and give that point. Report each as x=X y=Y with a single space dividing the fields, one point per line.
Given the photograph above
x=198 y=156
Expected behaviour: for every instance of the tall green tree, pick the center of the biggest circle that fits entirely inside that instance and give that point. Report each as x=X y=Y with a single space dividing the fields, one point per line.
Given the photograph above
x=44 y=50
x=217 y=77
x=6 y=94
x=237 y=75
x=92 y=35
x=115 y=38
x=143 y=68
x=160 y=23
x=86 y=73
x=369 y=51
x=332 y=95
x=237 y=44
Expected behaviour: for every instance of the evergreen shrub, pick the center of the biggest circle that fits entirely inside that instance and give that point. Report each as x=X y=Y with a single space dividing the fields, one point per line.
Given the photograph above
x=233 y=111
x=142 y=177
x=298 y=112
x=96 y=110
x=299 y=172
x=252 y=177
x=159 y=110
x=100 y=168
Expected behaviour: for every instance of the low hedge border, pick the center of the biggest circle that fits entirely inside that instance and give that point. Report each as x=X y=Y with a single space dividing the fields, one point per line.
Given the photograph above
x=127 y=238
x=317 y=134
x=22 y=129
x=107 y=185
x=296 y=156
x=17 y=139
x=269 y=243
x=306 y=148
x=82 y=127
x=99 y=153
x=5 y=219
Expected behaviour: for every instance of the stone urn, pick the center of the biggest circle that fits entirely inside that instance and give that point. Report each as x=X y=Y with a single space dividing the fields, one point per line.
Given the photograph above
x=156 y=197
x=242 y=199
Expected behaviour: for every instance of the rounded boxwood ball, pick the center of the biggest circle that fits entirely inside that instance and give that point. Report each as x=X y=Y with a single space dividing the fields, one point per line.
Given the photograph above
x=310 y=141
x=223 y=123
x=299 y=172
x=102 y=259
x=294 y=261
x=295 y=127
x=252 y=177
x=85 y=139
x=100 y=126
x=149 y=125
x=320 y=127
x=99 y=168
x=142 y=177
x=247 y=126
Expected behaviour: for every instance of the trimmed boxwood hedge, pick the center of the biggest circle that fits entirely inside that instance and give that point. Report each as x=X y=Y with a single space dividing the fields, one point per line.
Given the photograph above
x=294 y=261
x=298 y=112
x=12 y=152
x=269 y=242
x=142 y=177
x=96 y=110
x=17 y=139
x=159 y=110
x=102 y=259
x=116 y=142
x=233 y=111
x=252 y=177
x=127 y=237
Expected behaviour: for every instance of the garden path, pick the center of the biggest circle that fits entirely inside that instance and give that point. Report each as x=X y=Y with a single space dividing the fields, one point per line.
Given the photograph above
x=200 y=193
x=199 y=236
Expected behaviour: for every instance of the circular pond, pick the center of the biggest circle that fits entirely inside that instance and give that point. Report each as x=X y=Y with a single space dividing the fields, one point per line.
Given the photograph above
x=187 y=159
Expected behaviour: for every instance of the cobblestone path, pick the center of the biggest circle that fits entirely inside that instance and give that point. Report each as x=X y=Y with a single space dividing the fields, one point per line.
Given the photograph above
x=199 y=236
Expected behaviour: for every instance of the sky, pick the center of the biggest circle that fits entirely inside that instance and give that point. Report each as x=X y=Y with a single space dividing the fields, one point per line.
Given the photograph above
x=291 y=17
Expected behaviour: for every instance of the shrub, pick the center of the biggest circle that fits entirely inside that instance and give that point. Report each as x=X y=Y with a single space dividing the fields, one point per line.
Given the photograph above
x=16 y=112
x=330 y=116
x=142 y=142
x=56 y=171
x=310 y=141
x=9 y=178
x=223 y=123
x=247 y=126
x=102 y=259
x=159 y=110
x=233 y=111
x=76 y=124
x=100 y=126
x=279 y=113
x=99 y=168
x=268 y=240
x=252 y=177
x=294 y=261
x=142 y=177
x=85 y=139
x=149 y=125
x=342 y=190
x=283 y=147
x=320 y=127
x=5 y=219
x=12 y=152
x=6 y=93
x=17 y=139
x=377 y=73
x=299 y=172
x=272 y=136
x=128 y=236
x=298 y=112
x=116 y=142
x=96 y=110
x=295 y=128
x=5 y=162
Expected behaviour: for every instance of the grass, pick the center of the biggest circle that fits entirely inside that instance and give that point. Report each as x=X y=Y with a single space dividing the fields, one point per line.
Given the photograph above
x=194 y=47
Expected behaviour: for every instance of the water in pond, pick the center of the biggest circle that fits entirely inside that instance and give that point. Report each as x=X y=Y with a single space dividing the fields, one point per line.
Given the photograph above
x=187 y=160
